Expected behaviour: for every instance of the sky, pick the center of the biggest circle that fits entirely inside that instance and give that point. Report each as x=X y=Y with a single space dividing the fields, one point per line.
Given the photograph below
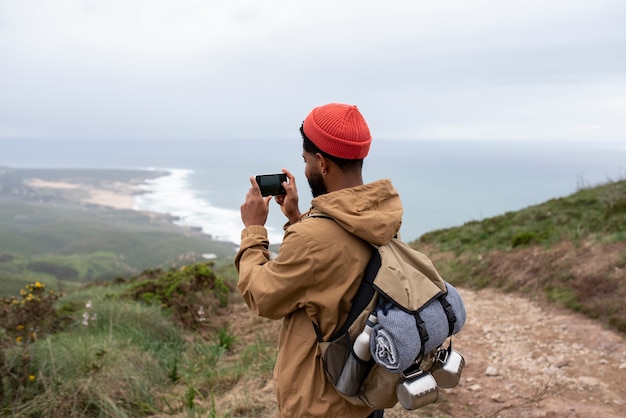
x=226 y=69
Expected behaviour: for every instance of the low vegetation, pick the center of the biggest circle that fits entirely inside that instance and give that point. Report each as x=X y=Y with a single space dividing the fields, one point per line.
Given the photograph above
x=170 y=341
x=157 y=342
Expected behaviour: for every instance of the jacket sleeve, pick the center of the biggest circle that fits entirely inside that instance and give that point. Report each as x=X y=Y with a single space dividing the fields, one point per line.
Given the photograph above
x=275 y=288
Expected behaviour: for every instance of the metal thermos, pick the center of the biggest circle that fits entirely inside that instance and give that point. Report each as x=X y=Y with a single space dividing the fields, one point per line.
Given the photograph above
x=356 y=366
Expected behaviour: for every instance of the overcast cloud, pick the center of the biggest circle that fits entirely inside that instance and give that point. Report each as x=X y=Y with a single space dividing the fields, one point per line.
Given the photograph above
x=215 y=69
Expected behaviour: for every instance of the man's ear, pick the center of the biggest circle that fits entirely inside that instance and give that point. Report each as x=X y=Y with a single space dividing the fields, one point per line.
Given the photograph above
x=322 y=163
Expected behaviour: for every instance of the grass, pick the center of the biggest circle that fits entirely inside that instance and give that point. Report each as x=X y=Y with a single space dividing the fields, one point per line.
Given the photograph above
x=113 y=355
x=598 y=211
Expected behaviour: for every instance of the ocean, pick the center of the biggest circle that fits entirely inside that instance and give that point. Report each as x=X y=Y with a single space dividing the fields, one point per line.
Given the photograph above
x=441 y=183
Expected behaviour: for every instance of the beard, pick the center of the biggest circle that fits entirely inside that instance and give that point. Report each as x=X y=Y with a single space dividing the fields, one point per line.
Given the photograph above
x=316 y=183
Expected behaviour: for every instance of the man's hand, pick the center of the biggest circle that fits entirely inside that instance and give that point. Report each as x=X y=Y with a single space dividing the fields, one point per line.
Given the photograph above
x=255 y=209
x=289 y=201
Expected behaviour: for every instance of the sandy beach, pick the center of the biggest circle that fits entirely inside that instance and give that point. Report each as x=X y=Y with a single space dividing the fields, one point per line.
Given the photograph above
x=118 y=195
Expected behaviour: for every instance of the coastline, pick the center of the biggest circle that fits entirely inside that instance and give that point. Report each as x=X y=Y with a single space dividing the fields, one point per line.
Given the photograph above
x=162 y=195
x=91 y=189
x=190 y=205
x=85 y=220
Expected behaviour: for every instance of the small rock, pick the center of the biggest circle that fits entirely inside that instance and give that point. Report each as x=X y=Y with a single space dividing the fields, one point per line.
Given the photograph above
x=622 y=366
x=561 y=362
x=491 y=371
x=589 y=382
x=475 y=388
x=496 y=397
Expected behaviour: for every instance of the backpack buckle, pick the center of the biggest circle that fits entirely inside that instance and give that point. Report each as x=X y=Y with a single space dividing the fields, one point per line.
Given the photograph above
x=412 y=372
x=441 y=356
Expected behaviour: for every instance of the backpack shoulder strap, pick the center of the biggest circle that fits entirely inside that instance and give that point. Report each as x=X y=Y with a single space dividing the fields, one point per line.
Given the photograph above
x=364 y=294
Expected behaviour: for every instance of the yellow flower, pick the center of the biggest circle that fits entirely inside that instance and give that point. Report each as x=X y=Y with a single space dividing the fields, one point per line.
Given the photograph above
x=19 y=327
x=18 y=340
x=39 y=285
x=31 y=378
x=22 y=292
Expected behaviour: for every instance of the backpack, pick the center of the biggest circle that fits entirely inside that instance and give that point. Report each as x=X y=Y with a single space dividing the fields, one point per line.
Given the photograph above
x=402 y=278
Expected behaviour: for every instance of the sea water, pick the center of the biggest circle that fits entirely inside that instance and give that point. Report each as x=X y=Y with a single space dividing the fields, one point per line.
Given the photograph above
x=441 y=183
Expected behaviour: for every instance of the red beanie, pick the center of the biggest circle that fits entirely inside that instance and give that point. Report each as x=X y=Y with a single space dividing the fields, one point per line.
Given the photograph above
x=339 y=130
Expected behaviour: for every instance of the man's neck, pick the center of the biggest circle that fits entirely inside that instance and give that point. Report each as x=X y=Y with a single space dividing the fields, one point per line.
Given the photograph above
x=344 y=181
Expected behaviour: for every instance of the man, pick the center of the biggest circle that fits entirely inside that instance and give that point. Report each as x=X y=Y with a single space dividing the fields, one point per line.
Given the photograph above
x=320 y=261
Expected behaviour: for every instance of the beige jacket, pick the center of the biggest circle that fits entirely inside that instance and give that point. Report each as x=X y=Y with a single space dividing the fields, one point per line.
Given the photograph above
x=313 y=278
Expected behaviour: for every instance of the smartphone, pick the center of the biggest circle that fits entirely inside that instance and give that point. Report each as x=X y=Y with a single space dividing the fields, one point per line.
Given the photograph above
x=271 y=184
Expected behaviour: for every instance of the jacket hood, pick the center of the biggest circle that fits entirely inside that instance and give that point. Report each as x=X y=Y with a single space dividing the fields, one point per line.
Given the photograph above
x=371 y=211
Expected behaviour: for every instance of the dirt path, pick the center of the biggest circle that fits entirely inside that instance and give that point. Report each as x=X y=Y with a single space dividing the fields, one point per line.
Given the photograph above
x=522 y=360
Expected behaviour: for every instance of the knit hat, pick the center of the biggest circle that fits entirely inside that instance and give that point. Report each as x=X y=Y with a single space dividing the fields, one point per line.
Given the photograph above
x=339 y=130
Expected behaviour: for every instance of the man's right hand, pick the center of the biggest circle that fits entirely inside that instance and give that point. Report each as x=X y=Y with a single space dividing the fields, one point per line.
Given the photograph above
x=255 y=209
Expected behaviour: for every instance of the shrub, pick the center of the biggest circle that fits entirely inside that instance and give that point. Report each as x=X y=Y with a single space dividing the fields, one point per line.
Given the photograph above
x=24 y=320
x=57 y=270
x=616 y=207
x=191 y=292
x=529 y=237
x=524 y=238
